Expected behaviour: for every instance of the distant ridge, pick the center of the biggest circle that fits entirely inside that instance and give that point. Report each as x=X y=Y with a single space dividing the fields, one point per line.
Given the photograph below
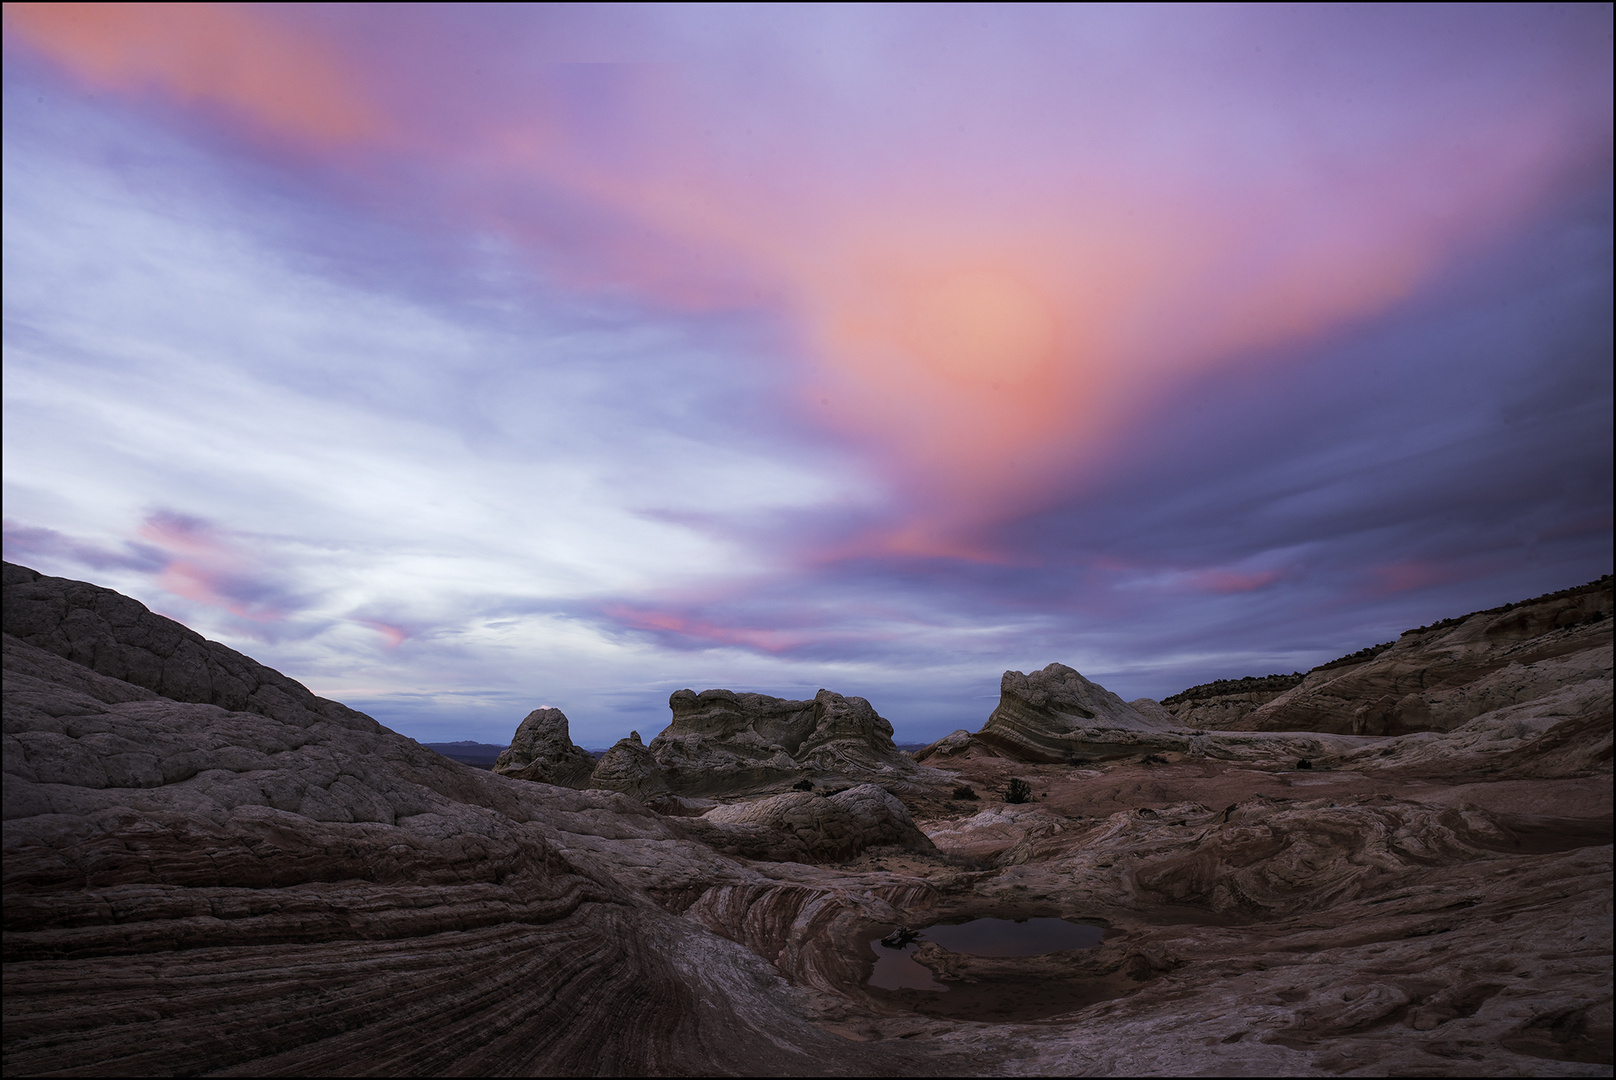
x=1278 y=683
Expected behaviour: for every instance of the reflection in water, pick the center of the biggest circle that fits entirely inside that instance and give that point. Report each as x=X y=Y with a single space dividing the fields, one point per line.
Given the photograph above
x=1024 y=937
x=896 y=969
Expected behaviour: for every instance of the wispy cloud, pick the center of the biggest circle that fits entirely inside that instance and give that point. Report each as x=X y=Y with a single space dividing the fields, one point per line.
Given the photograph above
x=583 y=353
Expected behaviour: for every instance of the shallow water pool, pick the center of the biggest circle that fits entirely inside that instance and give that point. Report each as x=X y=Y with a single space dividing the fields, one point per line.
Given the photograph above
x=896 y=969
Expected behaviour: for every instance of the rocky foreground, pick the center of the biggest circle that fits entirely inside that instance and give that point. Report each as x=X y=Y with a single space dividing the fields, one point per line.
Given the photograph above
x=208 y=869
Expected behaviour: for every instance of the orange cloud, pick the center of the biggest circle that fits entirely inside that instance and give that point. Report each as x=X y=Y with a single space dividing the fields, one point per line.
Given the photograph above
x=285 y=81
x=981 y=314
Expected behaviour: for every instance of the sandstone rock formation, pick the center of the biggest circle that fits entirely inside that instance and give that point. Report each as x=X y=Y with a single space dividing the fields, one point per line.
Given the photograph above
x=1226 y=706
x=281 y=885
x=955 y=742
x=542 y=749
x=801 y=826
x=725 y=743
x=628 y=767
x=191 y=887
x=1056 y=714
x=1436 y=678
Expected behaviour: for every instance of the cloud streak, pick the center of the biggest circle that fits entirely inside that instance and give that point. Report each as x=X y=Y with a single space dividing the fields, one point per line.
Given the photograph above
x=626 y=347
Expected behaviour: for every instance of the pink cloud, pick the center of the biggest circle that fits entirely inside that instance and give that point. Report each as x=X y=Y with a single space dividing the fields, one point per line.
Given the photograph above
x=700 y=631
x=209 y=567
x=280 y=78
x=1412 y=574
x=1226 y=582
x=392 y=634
x=986 y=311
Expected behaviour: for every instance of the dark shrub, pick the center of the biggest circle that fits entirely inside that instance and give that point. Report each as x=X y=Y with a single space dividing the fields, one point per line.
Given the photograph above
x=803 y=785
x=1154 y=759
x=1304 y=763
x=965 y=791
x=1017 y=791
x=1080 y=761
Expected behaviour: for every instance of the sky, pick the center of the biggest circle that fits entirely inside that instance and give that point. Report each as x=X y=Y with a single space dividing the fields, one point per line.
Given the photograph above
x=459 y=360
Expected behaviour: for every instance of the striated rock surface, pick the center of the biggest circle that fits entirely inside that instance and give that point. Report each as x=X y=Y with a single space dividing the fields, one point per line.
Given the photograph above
x=193 y=888
x=1056 y=714
x=955 y=742
x=1438 y=678
x=197 y=888
x=725 y=743
x=1221 y=710
x=542 y=749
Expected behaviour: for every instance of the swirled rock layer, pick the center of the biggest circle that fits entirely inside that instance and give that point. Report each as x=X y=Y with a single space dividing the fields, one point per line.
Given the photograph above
x=191 y=887
x=288 y=887
x=1056 y=714
x=1439 y=677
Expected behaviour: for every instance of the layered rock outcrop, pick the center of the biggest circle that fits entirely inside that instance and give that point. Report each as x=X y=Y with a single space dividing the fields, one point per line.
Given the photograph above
x=725 y=743
x=1055 y=715
x=1432 y=678
x=1058 y=716
x=1222 y=711
x=542 y=749
x=1438 y=678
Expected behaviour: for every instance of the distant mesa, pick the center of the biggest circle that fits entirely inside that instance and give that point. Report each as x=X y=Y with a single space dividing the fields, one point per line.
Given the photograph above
x=1432 y=679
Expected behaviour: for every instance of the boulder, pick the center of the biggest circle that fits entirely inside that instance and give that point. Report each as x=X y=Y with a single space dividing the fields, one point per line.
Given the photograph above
x=808 y=827
x=542 y=749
